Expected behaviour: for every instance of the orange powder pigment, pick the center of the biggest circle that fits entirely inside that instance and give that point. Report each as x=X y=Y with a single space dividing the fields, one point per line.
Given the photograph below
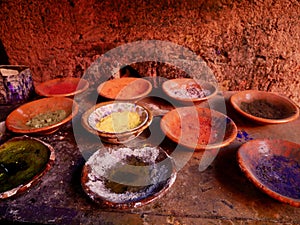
x=193 y=128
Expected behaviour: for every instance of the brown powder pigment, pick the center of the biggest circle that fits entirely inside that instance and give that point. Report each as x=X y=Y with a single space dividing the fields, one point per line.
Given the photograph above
x=264 y=109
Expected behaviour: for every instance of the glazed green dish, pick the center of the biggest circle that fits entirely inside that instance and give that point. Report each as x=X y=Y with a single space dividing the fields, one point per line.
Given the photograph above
x=22 y=160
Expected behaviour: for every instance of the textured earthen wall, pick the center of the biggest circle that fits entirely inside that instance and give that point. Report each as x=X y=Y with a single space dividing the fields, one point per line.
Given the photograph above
x=248 y=44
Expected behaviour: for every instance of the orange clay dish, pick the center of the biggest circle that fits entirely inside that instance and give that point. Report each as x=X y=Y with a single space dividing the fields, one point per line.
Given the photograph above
x=198 y=128
x=62 y=87
x=127 y=88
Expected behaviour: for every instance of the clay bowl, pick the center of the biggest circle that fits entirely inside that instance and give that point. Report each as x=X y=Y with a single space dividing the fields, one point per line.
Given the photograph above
x=17 y=120
x=120 y=129
x=274 y=167
x=62 y=87
x=125 y=89
x=126 y=178
x=264 y=107
x=157 y=105
x=198 y=128
x=189 y=91
x=23 y=161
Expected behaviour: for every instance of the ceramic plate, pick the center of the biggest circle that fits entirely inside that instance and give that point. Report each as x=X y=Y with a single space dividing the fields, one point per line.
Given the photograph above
x=113 y=107
x=274 y=167
x=127 y=177
x=23 y=161
x=92 y=116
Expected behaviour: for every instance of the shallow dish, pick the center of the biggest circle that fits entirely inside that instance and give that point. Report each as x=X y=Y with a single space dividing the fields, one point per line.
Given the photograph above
x=188 y=90
x=274 y=167
x=125 y=89
x=158 y=106
x=62 y=87
x=264 y=107
x=23 y=161
x=117 y=117
x=198 y=128
x=19 y=120
x=128 y=177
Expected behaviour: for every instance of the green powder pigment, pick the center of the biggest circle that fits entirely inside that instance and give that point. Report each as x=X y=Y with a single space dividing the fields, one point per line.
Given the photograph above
x=47 y=119
x=20 y=161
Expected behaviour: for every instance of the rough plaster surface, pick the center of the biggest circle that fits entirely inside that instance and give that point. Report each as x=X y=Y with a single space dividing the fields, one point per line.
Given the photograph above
x=247 y=44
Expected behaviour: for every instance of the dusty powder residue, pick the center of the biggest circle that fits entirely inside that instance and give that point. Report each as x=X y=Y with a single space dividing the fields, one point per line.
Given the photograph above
x=189 y=90
x=101 y=163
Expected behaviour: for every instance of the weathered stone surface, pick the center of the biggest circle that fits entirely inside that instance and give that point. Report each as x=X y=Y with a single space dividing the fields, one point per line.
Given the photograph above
x=247 y=44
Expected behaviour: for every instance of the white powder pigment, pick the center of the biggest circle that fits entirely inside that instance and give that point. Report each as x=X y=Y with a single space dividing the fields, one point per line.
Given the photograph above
x=102 y=162
x=189 y=90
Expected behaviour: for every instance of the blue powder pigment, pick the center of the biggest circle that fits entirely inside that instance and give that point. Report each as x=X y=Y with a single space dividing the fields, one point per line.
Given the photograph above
x=280 y=174
x=243 y=136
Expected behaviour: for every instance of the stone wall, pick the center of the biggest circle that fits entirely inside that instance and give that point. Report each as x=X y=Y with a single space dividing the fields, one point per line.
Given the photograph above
x=247 y=44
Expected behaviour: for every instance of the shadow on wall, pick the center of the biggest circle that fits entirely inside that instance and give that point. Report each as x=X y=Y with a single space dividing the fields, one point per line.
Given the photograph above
x=3 y=55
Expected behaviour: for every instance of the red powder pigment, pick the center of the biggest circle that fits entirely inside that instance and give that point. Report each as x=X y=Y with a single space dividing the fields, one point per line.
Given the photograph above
x=62 y=88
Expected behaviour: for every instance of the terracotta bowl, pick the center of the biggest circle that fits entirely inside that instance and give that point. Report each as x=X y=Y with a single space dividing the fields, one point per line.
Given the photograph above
x=157 y=105
x=126 y=177
x=198 y=128
x=62 y=87
x=274 y=167
x=189 y=91
x=17 y=120
x=264 y=107
x=94 y=115
x=23 y=161
x=125 y=89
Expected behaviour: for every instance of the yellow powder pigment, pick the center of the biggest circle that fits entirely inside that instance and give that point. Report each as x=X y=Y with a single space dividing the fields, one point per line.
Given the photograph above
x=119 y=122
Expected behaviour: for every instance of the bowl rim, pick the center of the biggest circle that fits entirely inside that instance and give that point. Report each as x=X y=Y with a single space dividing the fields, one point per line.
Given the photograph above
x=88 y=127
x=197 y=146
x=40 y=88
x=248 y=173
x=187 y=100
x=234 y=103
x=55 y=126
x=129 y=80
